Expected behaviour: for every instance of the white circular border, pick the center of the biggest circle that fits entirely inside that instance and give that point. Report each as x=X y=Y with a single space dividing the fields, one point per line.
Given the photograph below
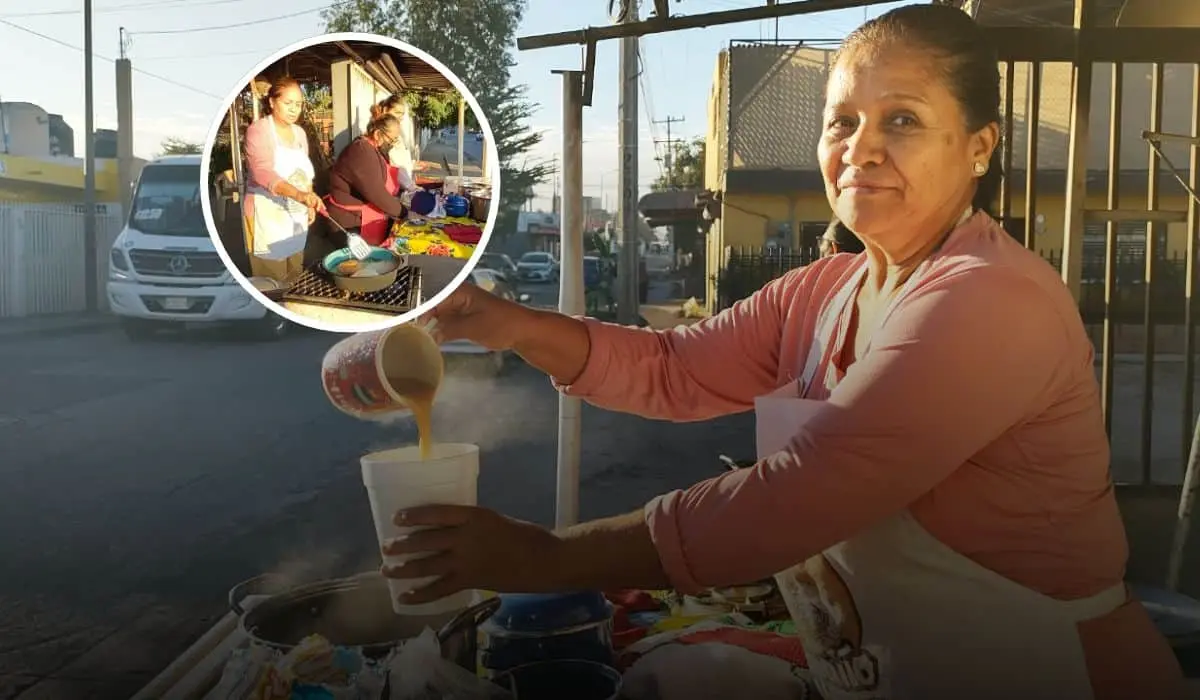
x=424 y=306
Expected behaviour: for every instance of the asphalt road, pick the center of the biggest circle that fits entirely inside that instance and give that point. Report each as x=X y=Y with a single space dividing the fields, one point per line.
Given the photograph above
x=141 y=481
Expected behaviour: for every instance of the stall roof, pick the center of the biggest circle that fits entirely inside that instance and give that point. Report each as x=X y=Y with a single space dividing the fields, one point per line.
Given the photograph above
x=396 y=70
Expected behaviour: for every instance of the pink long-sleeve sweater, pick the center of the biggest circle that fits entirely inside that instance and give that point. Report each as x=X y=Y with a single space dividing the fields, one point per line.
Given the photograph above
x=259 y=145
x=976 y=408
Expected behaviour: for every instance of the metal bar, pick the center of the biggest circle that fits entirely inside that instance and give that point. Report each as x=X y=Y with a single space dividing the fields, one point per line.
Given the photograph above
x=698 y=21
x=1101 y=44
x=1183 y=516
x=1162 y=216
x=570 y=299
x=1168 y=138
x=1108 y=343
x=1077 y=152
x=1190 y=276
x=1006 y=185
x=91 y=273
x=1032 y=115
x=589 y=73
x=1151 y=248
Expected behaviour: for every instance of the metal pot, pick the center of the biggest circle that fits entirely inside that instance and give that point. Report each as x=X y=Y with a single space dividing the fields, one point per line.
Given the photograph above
x=363 y=285
x=354 y=612
x=528 y=628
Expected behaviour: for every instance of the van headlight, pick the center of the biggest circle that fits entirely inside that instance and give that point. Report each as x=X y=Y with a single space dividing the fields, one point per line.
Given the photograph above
x=118 y=265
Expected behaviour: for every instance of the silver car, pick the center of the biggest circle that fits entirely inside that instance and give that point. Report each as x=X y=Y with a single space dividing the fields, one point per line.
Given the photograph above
x=536 y=266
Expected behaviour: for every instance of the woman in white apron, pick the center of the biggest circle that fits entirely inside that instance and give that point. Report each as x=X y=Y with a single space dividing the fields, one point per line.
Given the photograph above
x=280 y=202
x=932 y=493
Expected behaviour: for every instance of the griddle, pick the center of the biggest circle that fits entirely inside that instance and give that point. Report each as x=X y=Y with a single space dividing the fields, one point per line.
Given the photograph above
x=312 y=286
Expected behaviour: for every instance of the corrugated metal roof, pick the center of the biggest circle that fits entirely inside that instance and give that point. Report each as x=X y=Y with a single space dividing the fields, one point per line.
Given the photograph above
x=397 y=70
x=1038 y=13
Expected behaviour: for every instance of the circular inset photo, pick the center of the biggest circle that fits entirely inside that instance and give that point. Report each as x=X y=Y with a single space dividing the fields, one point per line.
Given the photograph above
x=350 y=184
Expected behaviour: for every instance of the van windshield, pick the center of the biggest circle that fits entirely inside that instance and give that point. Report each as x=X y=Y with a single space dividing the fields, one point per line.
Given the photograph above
x=167 y=201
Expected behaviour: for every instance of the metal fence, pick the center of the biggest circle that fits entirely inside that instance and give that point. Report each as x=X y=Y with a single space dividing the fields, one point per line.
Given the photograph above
x=748 y=269
x=42 y=257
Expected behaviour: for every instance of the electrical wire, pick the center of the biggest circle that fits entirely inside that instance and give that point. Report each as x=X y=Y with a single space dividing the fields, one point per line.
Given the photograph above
x=238 y=25
x=73 y=47
x=167 y=4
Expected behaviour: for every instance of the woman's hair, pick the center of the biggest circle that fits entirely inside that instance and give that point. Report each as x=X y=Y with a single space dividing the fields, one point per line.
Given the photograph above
x=382 y=122
x=968 y=62
x=840 y=235
x=276 y=89
x=386 y=105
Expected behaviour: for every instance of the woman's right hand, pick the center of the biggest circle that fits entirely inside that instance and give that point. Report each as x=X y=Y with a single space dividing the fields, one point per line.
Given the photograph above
x=470 y=313
x=310 y=200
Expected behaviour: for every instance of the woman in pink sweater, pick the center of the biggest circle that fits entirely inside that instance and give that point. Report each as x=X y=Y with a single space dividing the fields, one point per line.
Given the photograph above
x=932 y=493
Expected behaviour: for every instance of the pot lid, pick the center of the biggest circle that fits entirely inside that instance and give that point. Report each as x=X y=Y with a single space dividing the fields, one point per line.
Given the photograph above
x=538 y=612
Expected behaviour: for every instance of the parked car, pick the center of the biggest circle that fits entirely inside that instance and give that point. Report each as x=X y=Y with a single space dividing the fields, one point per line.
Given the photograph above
x=536 y=266
x=490 y=362
x=500 y=263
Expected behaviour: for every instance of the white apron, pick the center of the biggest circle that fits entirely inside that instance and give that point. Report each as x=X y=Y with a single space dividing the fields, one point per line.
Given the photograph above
x=280 y=223
x=402 y=157
x=894 y=613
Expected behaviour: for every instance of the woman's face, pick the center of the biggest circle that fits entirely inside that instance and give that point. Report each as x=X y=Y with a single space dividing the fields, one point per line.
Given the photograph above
x=387 y=137
x=895 y=154
x=286 y=107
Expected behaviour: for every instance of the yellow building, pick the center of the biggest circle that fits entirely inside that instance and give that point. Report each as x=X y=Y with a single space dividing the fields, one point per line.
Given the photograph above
x=54 y=180
x=764 y=123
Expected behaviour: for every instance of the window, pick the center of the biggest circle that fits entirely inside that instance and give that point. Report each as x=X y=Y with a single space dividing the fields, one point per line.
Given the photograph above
x=167 y=201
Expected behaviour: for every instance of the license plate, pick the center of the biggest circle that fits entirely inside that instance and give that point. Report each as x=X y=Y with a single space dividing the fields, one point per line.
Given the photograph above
x=176 y=303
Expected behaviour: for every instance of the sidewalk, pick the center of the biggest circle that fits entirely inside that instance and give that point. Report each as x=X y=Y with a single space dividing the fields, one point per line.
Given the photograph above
x=56 y=325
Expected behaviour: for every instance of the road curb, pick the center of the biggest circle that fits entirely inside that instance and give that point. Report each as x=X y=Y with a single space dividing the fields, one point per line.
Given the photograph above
x=27 y=328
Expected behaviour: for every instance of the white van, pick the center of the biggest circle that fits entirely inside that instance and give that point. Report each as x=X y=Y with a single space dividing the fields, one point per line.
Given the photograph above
x=163 y=270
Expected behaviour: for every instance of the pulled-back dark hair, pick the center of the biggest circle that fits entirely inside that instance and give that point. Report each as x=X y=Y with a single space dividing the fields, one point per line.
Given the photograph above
x=840 y=235
x=276 y=89
x=969 y=63
x=385 y=105
x=382 y=122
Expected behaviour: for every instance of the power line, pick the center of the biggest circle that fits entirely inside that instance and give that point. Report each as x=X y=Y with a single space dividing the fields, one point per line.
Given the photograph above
x=168 y=4
x=73 y=47
x=237 y=25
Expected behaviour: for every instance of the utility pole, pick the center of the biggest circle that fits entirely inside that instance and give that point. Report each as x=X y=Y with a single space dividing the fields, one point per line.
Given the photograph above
x=669 y=158
x=628 y=302
x=91 y=265
x=125 y=126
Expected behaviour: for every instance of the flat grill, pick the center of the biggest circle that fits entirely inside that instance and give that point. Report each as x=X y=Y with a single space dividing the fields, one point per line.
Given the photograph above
x=312 y=286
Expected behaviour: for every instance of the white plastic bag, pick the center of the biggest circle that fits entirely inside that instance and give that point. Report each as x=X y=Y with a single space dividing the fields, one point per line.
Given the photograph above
x=418 y=672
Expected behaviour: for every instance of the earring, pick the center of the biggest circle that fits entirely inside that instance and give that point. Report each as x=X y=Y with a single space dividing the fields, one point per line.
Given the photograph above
x=980 y=168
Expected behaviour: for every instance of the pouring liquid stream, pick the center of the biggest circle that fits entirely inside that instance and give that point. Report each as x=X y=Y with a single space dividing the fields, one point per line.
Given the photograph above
x=419 y=395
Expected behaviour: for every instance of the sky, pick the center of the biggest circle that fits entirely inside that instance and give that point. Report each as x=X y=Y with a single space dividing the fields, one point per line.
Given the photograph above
x=189 y=54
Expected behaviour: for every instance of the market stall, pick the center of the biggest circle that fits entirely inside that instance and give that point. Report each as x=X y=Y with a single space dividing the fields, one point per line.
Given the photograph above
x=447 y=211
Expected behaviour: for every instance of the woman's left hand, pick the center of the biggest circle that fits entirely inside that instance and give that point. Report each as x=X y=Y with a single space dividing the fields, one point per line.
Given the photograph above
x=312 y=216
x=468 y=547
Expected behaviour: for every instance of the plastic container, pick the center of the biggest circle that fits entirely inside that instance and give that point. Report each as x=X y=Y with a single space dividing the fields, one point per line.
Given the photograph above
x=529 y=628
x=399 y=478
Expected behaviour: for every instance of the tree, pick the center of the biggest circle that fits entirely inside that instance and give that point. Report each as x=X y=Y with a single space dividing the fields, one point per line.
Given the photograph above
x=687 y=167
x=472 y=39
x=181 y=147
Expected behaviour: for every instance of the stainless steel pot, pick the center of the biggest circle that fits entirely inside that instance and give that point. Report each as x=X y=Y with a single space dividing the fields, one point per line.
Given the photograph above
x=354 y=612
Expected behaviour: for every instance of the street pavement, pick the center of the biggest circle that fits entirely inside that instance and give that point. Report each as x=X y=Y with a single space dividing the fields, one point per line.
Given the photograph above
x=141 y=481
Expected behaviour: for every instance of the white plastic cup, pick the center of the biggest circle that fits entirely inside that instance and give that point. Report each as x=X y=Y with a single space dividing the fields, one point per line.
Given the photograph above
x=398 y=479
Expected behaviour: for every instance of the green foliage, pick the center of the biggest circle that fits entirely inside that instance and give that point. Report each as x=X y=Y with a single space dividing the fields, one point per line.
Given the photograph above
x=472 y=38
x=687 y=167
x=180 y=147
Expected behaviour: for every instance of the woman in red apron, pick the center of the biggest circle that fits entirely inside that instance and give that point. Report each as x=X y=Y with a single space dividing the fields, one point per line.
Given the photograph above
x=364 y=189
